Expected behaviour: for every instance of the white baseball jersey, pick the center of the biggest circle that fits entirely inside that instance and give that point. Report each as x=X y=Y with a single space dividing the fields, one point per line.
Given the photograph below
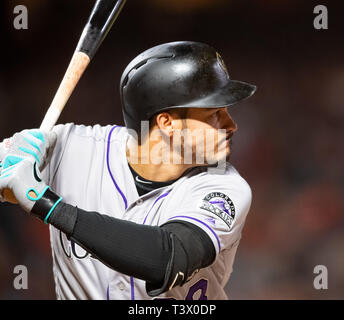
x=89 y=169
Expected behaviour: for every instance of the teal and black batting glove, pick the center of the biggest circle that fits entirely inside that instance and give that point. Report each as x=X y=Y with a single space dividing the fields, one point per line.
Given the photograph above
x=35 y=144
x=23 y=177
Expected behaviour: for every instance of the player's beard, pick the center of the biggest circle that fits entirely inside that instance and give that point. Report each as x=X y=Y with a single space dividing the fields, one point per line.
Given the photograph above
x=223 y=155
x=222 y=152
x=216 y=153
x=197 y=148
x=229 y=152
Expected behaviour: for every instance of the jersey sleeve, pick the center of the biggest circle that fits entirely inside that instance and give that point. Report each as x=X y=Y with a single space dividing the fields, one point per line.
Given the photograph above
x=218 y=205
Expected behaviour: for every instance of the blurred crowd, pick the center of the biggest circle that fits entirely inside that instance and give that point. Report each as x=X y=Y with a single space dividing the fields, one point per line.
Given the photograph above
x=288 y=147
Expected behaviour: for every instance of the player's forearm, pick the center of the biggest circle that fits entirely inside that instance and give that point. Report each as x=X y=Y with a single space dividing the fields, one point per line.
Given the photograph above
x=129 y=248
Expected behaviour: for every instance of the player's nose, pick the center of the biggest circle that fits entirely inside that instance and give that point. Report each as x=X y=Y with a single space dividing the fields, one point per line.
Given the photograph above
x=229 y=124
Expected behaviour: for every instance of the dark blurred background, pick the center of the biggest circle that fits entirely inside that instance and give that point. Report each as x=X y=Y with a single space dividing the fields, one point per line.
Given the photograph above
x=289 y=146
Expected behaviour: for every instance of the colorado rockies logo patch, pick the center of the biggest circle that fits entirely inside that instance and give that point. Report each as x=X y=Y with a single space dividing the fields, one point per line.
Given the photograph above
x=221 y=205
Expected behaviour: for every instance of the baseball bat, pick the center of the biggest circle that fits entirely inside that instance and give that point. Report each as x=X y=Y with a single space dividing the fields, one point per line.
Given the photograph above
x=103 y=16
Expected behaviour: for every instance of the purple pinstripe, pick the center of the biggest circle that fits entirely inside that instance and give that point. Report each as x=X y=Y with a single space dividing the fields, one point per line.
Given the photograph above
x=108 y=166
x=162 y=196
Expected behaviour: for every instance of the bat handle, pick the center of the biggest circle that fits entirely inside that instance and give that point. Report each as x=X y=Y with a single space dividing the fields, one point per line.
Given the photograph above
x=50 y=119
x=75 y=70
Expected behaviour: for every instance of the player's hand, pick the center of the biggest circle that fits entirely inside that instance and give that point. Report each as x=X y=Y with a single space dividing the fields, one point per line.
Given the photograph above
x=32 y=144
x=23 y=178
x=35 y=144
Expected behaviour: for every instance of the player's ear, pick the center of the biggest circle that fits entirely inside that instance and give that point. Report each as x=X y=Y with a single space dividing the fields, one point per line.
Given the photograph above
x=165 y=123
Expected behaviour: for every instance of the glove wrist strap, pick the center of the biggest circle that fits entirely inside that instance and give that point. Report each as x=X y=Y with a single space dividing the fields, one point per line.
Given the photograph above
x=45 y=205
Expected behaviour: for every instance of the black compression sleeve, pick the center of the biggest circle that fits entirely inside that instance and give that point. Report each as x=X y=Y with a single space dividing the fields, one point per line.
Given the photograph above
x=130 y=248
x=141 y=251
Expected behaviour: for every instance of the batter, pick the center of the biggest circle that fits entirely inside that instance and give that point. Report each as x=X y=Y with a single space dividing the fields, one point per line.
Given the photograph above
x=124 y=225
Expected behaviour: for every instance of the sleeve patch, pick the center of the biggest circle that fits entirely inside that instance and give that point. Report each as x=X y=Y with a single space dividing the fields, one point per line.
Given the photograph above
x=221 y=205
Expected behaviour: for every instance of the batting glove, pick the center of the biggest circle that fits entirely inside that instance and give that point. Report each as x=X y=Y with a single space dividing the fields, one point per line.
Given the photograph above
x=34 y=144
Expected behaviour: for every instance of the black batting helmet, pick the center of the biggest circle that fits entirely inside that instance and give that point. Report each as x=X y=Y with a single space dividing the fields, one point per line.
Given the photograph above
x=181 y=74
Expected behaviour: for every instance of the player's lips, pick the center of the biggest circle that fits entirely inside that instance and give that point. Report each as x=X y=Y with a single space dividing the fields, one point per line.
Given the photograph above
x=229 y=135
x=226 y=140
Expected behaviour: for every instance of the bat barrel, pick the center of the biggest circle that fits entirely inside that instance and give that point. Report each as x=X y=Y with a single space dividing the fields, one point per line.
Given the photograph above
x=103 y=15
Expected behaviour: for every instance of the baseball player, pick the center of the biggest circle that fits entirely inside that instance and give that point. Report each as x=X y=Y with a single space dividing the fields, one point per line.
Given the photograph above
x=124 y=225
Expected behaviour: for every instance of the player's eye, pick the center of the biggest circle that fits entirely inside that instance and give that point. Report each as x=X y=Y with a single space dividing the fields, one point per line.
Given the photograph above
x=217 y=113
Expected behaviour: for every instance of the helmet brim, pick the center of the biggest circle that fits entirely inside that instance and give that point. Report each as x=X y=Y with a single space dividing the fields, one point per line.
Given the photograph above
x=230 y=94
x=234 y=92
